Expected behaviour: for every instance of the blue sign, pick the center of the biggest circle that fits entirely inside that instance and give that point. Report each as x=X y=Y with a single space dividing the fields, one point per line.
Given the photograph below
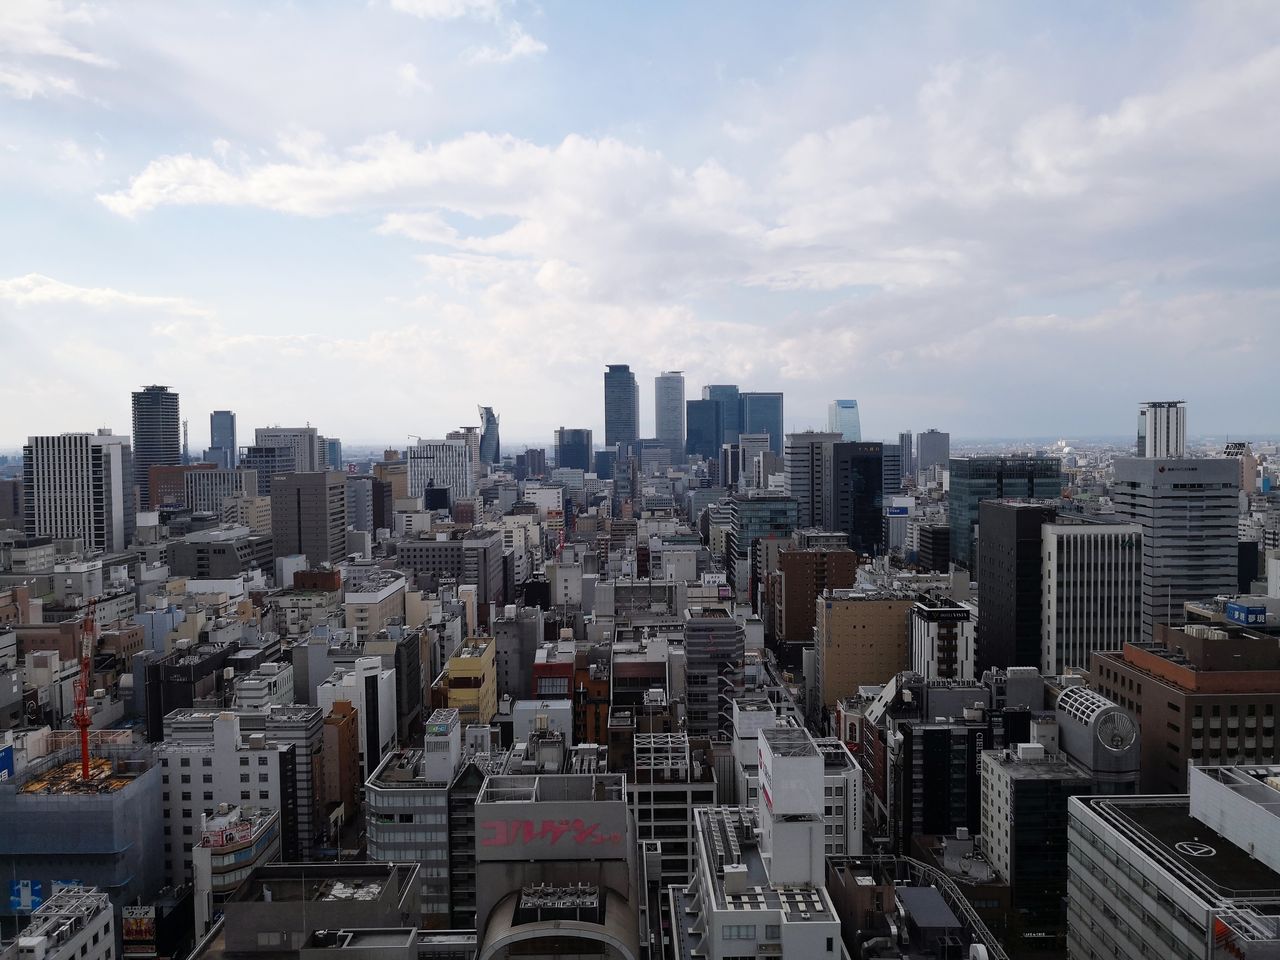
x=6 y=762
x=25 y=895
x=1247 y=616
x=897 y=511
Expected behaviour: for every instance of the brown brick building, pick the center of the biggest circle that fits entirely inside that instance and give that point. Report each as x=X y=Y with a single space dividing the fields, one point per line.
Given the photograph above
x=1202 y=694
x=802 y=576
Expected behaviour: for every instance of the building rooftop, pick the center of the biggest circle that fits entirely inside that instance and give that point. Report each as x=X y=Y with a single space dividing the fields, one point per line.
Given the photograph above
x=64 y=779
x=790 y=742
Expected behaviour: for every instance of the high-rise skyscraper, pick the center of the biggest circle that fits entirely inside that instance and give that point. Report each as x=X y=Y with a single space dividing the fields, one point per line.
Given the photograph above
x=490 y=448
x=80 y=485
x=303 y=442
x=621 y=405
x=442 y=464
x=705 y=428
x=908 y=454
x=853 y=493
x=803 y=473
x=309 y=515
x=762 y=413
x=842 y=418
x=1188 y=512
x=726 y=394
x=974 y=479
x=222 y=439
x=891 y=460
x=573 y=448
x=933 y=447
x=1162 y=429
x=1011 y=597
x=157 y=436
x=668 y=411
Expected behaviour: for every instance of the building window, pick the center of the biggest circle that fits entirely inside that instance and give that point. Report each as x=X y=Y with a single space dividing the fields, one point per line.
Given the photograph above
x=739 y=931
x=244 y=778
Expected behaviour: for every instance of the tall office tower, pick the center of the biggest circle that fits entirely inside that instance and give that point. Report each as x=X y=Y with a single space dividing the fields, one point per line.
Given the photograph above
x=157 y=436
x=933 y=447
x=303 y=442
x=802 y=473
x=908 y=454
x=441 y=464
x=621 y=405
x=267 y=462
x=333 y=453
x=853 y=494
x=714 y=650
x=490 y=447
x=668 y=411
x=705 y=428
x=309 y=515
x=751 y=446
x=892 y=462
x=1092 y=576
x=1188 y=513
x=762 y=514
x=1162 y=429
x=726 y=394
x=573 y=448
x=470 y=437
x=79 y=485
x=762 y=413
x=842 y=418
x=974 y=479
x=222 y=439
x=1010 y=594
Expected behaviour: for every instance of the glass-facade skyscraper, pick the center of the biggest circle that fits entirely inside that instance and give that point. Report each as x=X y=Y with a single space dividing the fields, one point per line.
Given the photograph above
x=726 y=394
x=222 y=439
x=842 y=418
x=974 y=479
x=490 y=449
x=762 y=413
x=704 y=425
x=621 y=405
x=573 y=448
x=668 y=411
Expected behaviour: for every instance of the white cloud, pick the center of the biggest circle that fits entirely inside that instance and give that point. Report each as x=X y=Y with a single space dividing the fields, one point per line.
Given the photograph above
x=519 y=44
x=409 y=81
x=36 y=50
x=34 y=290
x=449 y=9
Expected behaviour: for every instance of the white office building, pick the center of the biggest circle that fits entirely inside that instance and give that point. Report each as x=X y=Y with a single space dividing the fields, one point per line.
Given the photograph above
x=304 y=443
x=371 y=689
x=1162 y=429
x=207 y=490
x=76 y=923
x=441 y=463
x=80 y=485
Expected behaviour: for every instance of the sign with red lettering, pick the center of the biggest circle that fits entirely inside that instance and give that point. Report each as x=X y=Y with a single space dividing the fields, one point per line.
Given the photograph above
x=578 y=832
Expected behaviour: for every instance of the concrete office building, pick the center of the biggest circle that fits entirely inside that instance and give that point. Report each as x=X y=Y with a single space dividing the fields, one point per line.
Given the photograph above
x=377 y=601
x=206 y=490
x=715 y=650
x=198 y=776
x=1189 y=876
x=974 y=479
x=862 y=638
x=843 y=418
x=803 y=575
x=730 y=401
x=908 y=454
x=762 y=413
x=944 y=639
x=1162 y=429
x=332 y=453
x=234 y=840
x=157 y=436
x=267 y=462
x=1202 y=695
x=470 y=438
x=220 y=553
x=371 y=688
x=891 y=469
x=253 y=512
x=472 y=557
x=668 y=408
x=303 y=443
x=704 y=424
x=75 y=923
x=222 y=440
x=1092 y=579
x=933 y=449
x=471 y=682
x=80 y=485
x=852 y=494
x=1188 y=512
x=490 y=443
x=309 y=516
x=443 y=464
x=360 y=503
x=297 y=728
x=621 y=406
x=751 y=517
x=573 y=449
x=1009 y=574
x=750 y=448
x=668 y=777
x=803 y=475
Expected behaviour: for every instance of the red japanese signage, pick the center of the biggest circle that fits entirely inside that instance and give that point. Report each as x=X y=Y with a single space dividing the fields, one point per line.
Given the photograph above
x=562 y=833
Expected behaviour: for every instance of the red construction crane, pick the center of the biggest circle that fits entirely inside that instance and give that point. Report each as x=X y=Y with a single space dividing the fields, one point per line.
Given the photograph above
x=82 y=717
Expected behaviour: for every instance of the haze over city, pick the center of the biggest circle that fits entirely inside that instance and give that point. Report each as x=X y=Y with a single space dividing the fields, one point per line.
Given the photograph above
x=1017 y=219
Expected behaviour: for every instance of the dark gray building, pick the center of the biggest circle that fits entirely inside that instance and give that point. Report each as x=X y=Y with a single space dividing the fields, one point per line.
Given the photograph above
x=268 y=461
x=573 y=449
x=1009 y=583
x=727 y=395
x=621 y=405
x=219 y=554
x=470 y=556
x=309 y=515
x=853 y=493
x=222 y=439
x=490 y=446
x=933 y=447
x=763 y=413
x=157 y=436
x=704 y=428
x=974 y=479
x=1188 y=512
x=714 y=648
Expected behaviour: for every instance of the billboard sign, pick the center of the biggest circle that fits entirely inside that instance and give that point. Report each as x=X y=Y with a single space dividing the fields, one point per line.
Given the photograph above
x=540 y=831
x=25 y=895
x=1246 y=615
x=138 y=927
x=897 y=511
x=6 y=762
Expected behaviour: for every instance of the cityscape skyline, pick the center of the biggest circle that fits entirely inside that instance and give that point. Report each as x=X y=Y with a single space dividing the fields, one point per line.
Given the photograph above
x=827 y=202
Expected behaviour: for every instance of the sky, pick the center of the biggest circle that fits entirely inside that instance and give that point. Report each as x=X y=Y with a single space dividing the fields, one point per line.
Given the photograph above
x=998 y=219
